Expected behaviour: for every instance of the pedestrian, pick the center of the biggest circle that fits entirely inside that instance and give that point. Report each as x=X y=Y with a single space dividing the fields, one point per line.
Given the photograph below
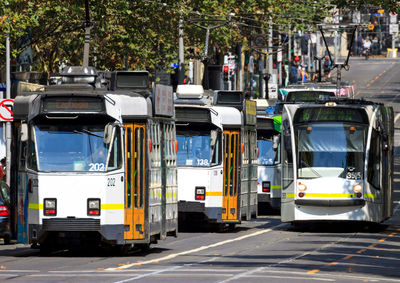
x=327 y=68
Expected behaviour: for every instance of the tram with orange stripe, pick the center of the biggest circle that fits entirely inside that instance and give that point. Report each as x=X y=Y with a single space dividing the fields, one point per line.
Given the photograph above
x=95 y=165
x=216 y=175
x=337 y=161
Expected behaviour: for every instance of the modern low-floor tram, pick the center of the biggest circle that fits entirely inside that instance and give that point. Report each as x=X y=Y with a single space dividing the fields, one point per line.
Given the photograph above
x=337 y=161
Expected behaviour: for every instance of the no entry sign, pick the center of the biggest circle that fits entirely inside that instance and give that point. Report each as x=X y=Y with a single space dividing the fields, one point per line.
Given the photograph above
x=6 y=110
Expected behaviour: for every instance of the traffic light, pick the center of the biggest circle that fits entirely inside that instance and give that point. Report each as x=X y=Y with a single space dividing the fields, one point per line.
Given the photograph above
x=226 y=72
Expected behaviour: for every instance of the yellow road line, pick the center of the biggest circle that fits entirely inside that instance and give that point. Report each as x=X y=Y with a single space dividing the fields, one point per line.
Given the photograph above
x=368 y=85
x=372 y=245
x=391 y=235
x=313 y=271
x=333 y=263
x=361 y=251
x=382 y=240
x=377 y=77
x=347 y=257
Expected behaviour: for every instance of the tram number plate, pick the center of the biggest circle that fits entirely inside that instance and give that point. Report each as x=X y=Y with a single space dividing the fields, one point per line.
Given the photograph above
x=111 y=182
x=353 y=175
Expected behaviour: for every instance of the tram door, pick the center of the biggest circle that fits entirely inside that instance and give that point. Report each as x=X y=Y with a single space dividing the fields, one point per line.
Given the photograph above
x=231 y=175
x=134 y=181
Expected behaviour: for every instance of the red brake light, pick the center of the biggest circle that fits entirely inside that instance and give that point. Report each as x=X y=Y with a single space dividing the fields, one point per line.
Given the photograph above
x=4 y=211
x=50 y=212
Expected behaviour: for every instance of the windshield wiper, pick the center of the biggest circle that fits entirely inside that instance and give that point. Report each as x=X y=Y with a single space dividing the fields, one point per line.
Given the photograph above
x=87 y=132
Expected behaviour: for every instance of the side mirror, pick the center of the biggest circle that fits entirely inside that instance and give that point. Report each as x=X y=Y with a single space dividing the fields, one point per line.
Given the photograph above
x=108 y=129
x=24 y=132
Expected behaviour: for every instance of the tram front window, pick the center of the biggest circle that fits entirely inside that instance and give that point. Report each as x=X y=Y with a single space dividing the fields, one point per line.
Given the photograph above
x=76 y=148
x=333 y=149
x=267 y=154
x=195 y=149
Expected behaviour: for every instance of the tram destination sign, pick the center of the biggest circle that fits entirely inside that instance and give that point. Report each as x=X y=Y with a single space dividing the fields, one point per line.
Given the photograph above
x=72 y=104
x=320 y=114
x=163 y=101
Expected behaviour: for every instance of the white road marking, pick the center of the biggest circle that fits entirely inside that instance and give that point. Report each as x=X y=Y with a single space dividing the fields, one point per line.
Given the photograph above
x=171 y=256
x=289 y=260
x=397 y=117
x=163 y=270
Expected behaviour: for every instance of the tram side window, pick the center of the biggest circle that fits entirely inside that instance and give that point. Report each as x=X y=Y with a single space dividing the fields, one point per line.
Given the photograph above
x=374 y=160
x=32 y=161
x=22 y=154
x=115 y=152
x=216 y=151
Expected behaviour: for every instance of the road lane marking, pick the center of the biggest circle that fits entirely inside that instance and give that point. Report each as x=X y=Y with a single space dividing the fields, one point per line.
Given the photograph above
x=357 y=93
x=171 y=256
x=372 y=245
x=393 y=234
x=313 y=271
x=397 y=117
x=377 y=77
x=347 y=257
x=164 y=270
x=361 y=251
x=333 y=263
x=382 y=240
x=368 y=85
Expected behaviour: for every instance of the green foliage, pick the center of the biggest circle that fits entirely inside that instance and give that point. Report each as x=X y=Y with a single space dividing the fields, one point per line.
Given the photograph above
x=144 y=34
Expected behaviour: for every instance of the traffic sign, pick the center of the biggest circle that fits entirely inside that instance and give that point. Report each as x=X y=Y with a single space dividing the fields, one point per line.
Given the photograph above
x=393 y=28
x=260 y=40
x=6 y=110
x=371 y=26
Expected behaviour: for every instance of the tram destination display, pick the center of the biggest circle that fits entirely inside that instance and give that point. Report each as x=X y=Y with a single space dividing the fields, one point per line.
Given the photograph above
x=330 y=114
x=72 y=104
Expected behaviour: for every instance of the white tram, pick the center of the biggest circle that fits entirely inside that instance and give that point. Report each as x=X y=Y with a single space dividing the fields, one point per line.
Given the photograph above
x=269 y=157
x=216 y=176
x=337 y=161
x=95 y=165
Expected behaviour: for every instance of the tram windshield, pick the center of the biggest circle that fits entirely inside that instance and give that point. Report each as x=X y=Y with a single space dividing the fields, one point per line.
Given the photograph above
x=195 y=148
x=76 y=148
x=267 y=154
x=330 y=149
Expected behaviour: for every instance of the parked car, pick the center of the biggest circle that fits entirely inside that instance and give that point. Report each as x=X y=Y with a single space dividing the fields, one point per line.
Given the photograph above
x=4 y=212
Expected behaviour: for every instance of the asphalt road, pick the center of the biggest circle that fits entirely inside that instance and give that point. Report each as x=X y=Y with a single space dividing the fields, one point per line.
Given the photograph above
x=257 y=251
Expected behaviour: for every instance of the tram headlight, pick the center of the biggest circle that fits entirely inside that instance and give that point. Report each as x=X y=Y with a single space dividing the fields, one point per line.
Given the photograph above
x=301 y=187
x=93 y=206
x=50 y=206
x=357 y=188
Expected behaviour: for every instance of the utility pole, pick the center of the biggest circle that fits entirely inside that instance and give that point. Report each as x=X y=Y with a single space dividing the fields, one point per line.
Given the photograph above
x=8 y=124
x=205 y=60
x=88 y=27
x=270 y=59
x=181 y=70
x=290 y=46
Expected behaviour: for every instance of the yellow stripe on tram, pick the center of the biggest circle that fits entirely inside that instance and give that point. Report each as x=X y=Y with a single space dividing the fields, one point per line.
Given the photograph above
x=274 y=187
x=35 y=206
x=112 y=206
x=290 y=195
x=214 y=194
x=369 y=196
